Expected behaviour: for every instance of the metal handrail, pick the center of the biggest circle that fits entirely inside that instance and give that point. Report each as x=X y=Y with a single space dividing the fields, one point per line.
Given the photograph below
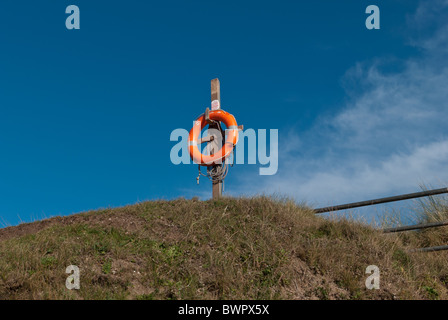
x=382 y=200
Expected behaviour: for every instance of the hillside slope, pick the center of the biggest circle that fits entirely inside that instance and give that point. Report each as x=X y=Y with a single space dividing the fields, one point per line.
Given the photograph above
x=229 y=249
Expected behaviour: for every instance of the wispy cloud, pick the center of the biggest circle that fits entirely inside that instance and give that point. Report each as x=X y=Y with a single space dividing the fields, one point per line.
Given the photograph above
x=388 y=138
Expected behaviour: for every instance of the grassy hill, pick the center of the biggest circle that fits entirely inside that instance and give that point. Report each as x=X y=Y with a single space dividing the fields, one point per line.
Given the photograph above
x=229 y=249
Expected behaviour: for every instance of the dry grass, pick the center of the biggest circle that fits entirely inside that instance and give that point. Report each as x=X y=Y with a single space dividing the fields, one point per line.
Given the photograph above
x=229 y=249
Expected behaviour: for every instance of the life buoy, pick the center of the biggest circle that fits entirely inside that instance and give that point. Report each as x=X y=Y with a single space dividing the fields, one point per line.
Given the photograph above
x=229 y=144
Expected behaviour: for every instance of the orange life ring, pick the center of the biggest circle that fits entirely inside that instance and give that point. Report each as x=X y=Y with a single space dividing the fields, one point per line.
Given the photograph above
x=227 y=148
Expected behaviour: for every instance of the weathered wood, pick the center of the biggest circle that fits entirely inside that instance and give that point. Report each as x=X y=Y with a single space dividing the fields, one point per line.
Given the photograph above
x=216 y=143
x=206 y=139
x=216 y=90
x=207 y=115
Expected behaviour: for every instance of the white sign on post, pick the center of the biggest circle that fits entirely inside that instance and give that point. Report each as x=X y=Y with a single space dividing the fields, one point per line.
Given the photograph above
x=215 y=105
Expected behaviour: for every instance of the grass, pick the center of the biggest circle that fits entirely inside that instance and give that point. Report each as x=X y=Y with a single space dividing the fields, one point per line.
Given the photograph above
x=257 y=248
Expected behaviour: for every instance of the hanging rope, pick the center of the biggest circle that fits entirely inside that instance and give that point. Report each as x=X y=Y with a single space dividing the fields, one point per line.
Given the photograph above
x=217 y=172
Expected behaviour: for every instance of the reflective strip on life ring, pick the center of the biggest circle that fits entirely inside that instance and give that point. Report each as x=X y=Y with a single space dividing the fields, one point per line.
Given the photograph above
x=227 y=148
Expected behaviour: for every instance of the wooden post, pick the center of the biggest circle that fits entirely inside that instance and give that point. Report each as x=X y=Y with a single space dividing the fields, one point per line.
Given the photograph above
x=214 y=144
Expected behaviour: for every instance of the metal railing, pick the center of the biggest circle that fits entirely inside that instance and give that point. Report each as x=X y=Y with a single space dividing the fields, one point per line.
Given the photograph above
x=382 y=200
x=393 y=199
x=416 y=227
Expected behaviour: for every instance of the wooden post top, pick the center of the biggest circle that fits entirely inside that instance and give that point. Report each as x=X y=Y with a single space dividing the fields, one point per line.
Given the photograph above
x=216 y=91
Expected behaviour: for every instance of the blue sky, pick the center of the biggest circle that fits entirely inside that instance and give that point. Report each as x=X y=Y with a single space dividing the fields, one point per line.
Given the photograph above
x=86 y=115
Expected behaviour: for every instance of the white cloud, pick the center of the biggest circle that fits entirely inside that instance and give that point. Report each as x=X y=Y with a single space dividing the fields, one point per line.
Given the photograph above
x=386 y=140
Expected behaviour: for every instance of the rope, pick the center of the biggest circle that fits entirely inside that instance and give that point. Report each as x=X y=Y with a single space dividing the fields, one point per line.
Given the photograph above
x=218 y=172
